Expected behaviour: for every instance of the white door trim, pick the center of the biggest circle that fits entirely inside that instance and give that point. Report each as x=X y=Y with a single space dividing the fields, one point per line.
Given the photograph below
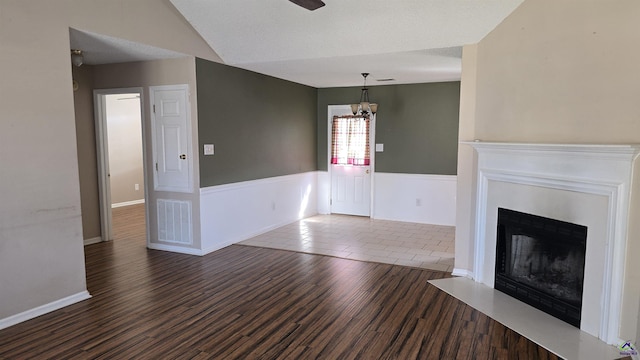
x=338 y=110
x=102 y=150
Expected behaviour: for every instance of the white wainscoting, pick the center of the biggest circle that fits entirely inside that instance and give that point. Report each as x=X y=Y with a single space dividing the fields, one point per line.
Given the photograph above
x=234 y=212
x=429 y=199
x=324 y=192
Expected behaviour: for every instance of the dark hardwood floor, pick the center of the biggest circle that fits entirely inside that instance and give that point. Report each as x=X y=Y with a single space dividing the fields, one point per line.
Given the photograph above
x=246 y=302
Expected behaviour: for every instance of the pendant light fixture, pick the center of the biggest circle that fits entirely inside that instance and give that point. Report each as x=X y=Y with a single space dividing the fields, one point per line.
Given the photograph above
x=364 y=107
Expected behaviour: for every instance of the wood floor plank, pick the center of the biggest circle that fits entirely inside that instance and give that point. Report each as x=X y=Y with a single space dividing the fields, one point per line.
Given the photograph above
x=245 y=302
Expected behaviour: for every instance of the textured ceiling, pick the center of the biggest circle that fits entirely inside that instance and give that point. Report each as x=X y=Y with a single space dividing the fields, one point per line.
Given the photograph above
x=408 y=41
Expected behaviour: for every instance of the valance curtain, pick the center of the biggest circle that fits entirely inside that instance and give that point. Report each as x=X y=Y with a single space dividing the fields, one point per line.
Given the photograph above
x=350 y=144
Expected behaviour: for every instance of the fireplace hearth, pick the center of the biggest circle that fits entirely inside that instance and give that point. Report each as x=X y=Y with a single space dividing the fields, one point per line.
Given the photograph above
x=540 y=261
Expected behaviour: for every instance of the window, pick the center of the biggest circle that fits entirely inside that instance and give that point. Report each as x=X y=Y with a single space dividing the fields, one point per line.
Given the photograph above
x=350 y=140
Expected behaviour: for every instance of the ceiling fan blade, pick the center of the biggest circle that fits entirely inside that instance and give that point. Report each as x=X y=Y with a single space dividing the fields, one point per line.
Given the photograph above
x=309 y=4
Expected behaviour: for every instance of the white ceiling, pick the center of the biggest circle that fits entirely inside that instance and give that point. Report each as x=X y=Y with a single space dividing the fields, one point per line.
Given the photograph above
x=100 y=49
x=410 y=41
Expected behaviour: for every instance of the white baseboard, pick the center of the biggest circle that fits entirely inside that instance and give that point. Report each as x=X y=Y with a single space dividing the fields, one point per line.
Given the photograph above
x=94 y=240
x=246 y=236
x=127 y=203
x=43 y=309
x=462 y=273
x=176 y=249
x=216 y=247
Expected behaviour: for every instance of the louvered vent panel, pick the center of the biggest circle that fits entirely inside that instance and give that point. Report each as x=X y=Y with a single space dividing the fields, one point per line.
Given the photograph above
x=174 y=221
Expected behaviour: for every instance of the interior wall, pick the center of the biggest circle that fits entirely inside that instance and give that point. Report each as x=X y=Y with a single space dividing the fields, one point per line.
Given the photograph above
x=417 y=123
x=124 y=129
x=42 y=260
x=467 y=165
x=157 y=73
x=87 y=158
x=565 y=72
x=41 y=247
x=151 y=22
x=260 y=126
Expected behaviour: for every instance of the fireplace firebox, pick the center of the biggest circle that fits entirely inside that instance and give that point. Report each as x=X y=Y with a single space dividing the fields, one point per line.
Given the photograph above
x=540 y=261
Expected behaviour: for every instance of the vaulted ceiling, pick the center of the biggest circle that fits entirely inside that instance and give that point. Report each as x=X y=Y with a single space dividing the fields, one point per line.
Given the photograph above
x=408 y=41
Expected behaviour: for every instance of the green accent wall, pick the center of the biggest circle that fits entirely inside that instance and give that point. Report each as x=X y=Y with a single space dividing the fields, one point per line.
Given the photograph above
x=261 y=126
x=417 y=123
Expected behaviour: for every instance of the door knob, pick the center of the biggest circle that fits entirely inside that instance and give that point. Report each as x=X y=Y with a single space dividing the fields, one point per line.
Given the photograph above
x=183 y=156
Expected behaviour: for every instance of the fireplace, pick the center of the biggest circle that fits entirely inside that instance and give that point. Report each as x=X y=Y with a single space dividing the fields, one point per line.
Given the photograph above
x=541 y=261
x=588 y=185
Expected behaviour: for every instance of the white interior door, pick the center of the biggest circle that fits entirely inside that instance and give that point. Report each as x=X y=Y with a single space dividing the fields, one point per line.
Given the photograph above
x=351 y=184
x=171 y=140
x=351 y=190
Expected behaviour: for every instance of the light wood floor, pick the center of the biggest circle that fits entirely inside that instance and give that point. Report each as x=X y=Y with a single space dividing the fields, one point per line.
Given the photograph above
x=128 y=222
x=245 y=302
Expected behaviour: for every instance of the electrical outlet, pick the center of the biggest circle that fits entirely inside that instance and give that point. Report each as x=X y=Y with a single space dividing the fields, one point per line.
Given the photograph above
x=209 y=149
x=136 y=187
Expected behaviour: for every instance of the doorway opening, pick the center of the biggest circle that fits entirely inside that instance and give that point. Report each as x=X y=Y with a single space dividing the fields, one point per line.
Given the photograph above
x=120 y=151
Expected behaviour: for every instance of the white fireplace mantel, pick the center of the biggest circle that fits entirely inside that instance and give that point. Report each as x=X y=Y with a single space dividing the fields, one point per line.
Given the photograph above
x=585 y=184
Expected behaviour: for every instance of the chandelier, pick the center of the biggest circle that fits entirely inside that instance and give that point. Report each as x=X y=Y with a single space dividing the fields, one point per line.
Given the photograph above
x=364 y=107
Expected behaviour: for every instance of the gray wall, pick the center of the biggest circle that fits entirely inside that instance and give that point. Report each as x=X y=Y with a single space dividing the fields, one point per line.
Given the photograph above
x=417 y=123
x=261 y=126
x=86 y=144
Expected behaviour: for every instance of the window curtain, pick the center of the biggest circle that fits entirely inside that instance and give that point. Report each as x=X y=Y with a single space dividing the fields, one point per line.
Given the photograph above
x=350 y=144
